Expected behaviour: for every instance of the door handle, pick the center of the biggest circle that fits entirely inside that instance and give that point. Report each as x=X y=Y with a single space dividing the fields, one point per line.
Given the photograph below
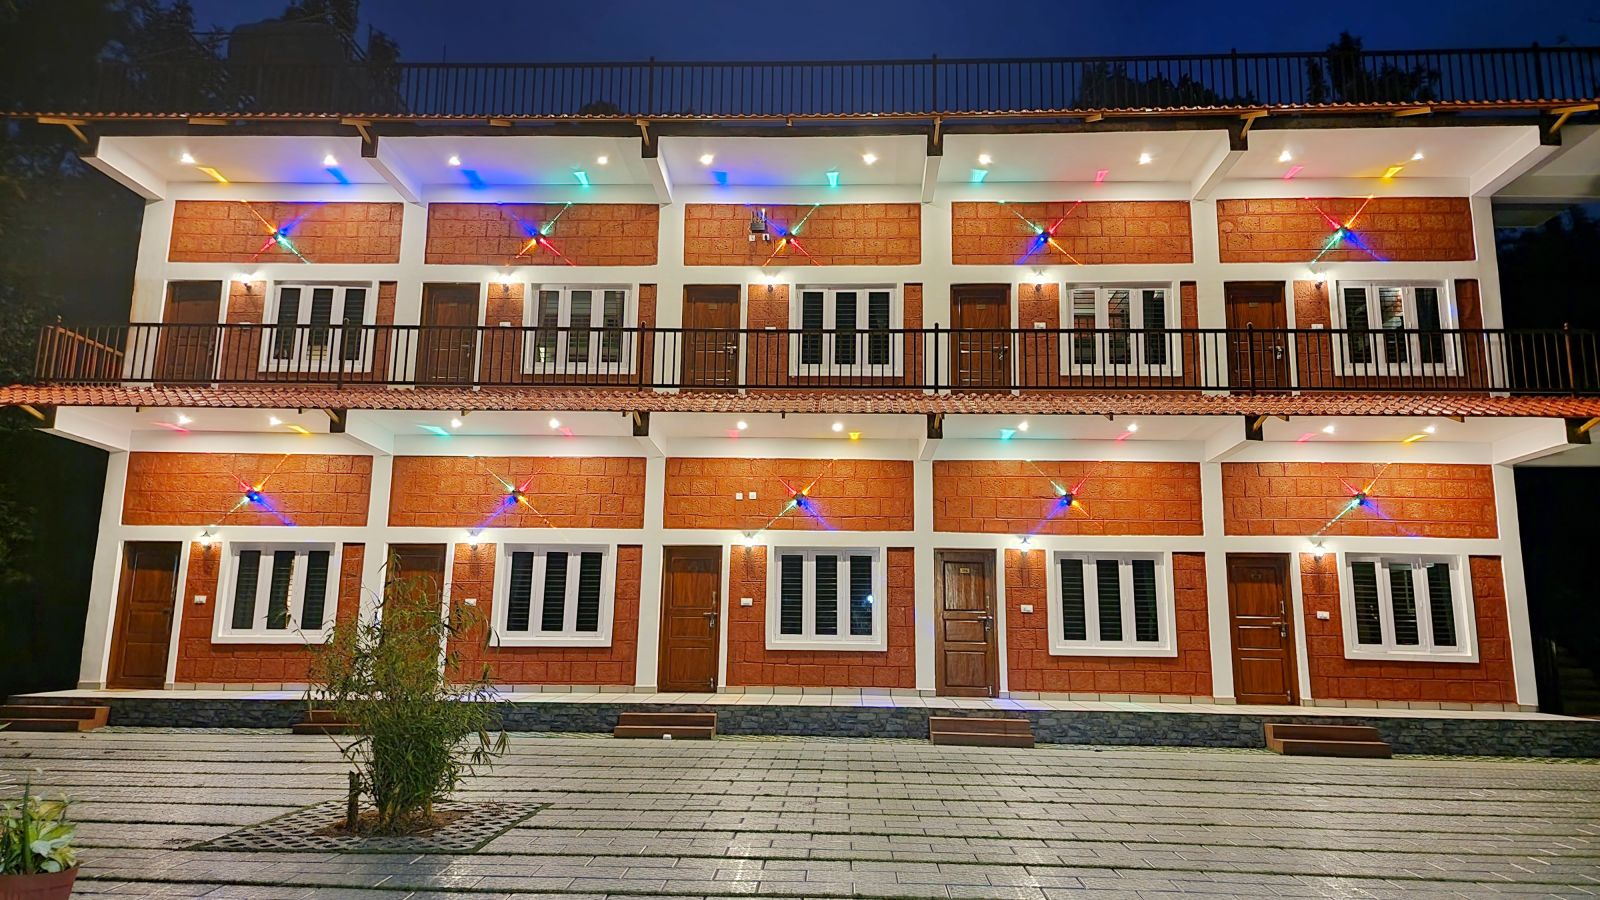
x=1277 y=351
x=1283 y=619
x=988 y=624
x=711 y=620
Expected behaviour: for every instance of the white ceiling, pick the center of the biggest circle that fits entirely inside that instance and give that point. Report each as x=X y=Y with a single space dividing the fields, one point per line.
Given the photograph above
x=279 y=159
x=1174 y=156
x=765 y=161
x=1447 y=152
x=515 y=159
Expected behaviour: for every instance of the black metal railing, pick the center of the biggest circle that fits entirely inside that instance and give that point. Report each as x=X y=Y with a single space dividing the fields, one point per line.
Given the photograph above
x=921 y=88
x=1551 y=361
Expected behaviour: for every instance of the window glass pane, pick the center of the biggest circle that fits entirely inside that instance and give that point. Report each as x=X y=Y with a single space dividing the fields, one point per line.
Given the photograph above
x=578 y=334
x=519 y=604
x=355 y=312
x=553 y=613
x=548 y=317
x=1441 y=605
x=311 y=610
x=861 y=598
x=1155 y=323
x=1391 y=313
x=616 y=305
x=791 y=594
x=278 y=589
x=1428 y=320
x=321 y=317
x=244 y=589
x=588 y=617
x=1364 y=588
x=827 y=598
x=1146 y=624
x=1108 y=585
x=1083 y=321
x=1074 y=624
x=811 y=319
x=283 y=335
x=1357 y=346
x=1403 y=600
x=878 y=322
x=1119 y=318
x=844 y=320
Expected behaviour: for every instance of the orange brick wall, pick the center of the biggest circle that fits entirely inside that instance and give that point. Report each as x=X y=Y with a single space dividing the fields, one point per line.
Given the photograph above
x=846 y=495
x=840 y=234
x=561 y=492
x=587 y=234
x=1032 y=669
x=1017 y=497
x=1414 y=499
x=751 y=664
x=1039 y=351
x=201 y=488
x=1091 y=233
x=202 y=662
x=234 y=231
x=1490 y=680
x=1393 y=228
x=473 y=576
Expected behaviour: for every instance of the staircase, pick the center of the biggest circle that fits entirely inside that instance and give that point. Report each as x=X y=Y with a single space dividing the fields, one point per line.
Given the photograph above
x=967 y=731
x=1580 y=689
x=33 y=717
x=1354 y=741
x=322 y=721
x=678 y=726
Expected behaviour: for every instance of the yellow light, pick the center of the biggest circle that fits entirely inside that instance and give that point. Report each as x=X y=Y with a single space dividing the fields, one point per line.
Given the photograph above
x=213 y=173
x=855 y=435
x=298 y=429
x=1391 y=172
x=1413 y=439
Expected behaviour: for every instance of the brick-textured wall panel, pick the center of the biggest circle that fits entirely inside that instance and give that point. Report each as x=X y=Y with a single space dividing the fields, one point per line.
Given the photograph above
x=1394 y=228
x=1408 y=499
x=239 y=350
x=1017 y=497
x=841 y=234
x=502 y=348
x=1317 y=353
x=200 y=489
x=846 y=495
x=202 y=662
x=1094 y=232
x=1490 y=680
x=587 y=234
x=234 y=231
x=561 y=492
x=750 y=663
x=1032 y=668
x=473 y=576
x=766 y=355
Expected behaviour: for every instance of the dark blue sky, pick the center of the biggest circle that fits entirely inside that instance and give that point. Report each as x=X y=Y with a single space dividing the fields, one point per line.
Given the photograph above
x=501 y=30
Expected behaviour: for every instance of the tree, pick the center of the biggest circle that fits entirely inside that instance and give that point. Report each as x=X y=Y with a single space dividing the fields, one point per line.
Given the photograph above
x=1344 y=75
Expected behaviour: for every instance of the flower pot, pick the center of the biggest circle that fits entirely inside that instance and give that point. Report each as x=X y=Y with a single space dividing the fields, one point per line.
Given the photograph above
x=43 y=886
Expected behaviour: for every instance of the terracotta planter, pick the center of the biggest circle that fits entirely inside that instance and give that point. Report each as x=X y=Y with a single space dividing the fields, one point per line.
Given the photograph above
x=48 y=886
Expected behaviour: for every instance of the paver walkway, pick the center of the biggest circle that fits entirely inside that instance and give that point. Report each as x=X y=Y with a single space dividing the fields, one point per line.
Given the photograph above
x=816 y=818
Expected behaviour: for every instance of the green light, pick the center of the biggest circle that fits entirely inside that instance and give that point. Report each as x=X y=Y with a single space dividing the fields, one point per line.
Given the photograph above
x=582 y=176
x=833 y=178
x=978 y=175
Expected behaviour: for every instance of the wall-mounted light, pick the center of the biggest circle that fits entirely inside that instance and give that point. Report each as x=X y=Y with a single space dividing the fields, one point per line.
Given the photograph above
x=454 y=161
x=472 y=538
x=707 y=159
x=207 y=538
x=1317 y=550
x=187 y=158
x=869 y=157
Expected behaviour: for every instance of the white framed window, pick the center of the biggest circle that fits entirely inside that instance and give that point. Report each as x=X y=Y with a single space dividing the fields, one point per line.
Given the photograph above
x=580 y=329
x=273 y=593
x=1369 y=309
x=829 y=598
x=319 y=328
x=1120 y=329
x=1111 y=604
x=846 y=330
x=554 y=595
x=1403 y=606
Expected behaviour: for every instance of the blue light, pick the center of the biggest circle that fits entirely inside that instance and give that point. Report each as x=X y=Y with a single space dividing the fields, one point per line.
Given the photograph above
x=833 y=178
x=338 y=175
x=978 y=175
x=253 y=495
x=474 y=180
x=721 y=178
x=582 y=176
x=1007 y=434
x=435 y=429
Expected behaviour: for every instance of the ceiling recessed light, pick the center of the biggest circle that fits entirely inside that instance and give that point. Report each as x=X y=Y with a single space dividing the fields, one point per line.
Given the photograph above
x=1285 y=156
x=838 y=426
x=1144 y=159
x=329 y=160
x=1023 y=425
x=187 y=158
x=869 y=157
x=1327 y=429
x=1430 y=429
x=183 y=419
x=454 y=160
x=984 y=159
x=741 y=425
x=602 y=160
x=1417 y=156
x=455 y=423
x=555 y=423
x=1133 y=426
x=274 y=421
x=707 y=159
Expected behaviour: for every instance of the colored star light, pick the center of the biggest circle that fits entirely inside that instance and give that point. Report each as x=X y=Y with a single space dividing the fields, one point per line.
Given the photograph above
x=1343 y=232
x=788 y=237
x=277 y=235
x=539 y=237
x=1046 y=237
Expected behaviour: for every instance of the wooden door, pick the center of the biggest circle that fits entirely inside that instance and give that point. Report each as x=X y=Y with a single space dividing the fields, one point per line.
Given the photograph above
x=1257 y=359
x=146 y=599
x=424 y=560
x=189 y=330
x=710 y=356
x=1259 y=604
x=691 y=603
x=447 y=343
x=980 y=337
x=966 y=661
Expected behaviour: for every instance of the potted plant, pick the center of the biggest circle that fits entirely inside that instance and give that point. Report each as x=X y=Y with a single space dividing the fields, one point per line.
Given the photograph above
x=37 y=861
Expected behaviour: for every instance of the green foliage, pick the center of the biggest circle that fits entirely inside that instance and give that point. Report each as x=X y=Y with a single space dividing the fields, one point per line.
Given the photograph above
x=35 y=836
x=421 y=727
x=1342 y=75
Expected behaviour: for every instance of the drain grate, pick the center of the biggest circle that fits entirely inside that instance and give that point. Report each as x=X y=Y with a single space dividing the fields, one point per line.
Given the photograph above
x=308 y=829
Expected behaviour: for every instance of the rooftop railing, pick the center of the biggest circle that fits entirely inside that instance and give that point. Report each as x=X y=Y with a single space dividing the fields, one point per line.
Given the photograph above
x=1553 y=361
x=908 y=88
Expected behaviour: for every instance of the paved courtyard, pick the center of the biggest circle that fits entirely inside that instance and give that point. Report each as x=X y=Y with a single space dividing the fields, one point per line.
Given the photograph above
x=819 y=818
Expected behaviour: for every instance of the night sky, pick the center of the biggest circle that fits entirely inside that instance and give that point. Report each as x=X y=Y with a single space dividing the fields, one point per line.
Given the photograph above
x=611 y=30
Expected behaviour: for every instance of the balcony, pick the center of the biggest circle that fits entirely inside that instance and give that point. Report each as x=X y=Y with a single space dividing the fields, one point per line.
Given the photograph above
x=1562 y=363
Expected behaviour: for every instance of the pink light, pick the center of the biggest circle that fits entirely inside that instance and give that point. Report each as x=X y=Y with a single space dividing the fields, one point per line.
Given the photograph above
x=566 y=431
x=171 y=427
x=1304 y=437
x=1100 y=176
x=1124 y=436
x=1293 y=171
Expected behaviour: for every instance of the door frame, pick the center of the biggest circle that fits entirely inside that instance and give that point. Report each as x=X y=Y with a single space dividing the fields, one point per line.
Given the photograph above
x=712 y=551
x=120 y=613
x=1291 y=641
x=988 y=559
x=1283 y=292
x=735 y=374
x=1010 y=374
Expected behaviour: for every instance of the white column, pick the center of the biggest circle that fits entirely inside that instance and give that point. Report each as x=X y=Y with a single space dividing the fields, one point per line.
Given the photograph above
x=103 y=579
x=649 y=640
x=1218 y=627
x=1518 y=627
x=923 y=613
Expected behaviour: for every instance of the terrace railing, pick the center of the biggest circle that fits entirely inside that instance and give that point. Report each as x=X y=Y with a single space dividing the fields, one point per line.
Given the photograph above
x=1552 y=361
x=915 y=88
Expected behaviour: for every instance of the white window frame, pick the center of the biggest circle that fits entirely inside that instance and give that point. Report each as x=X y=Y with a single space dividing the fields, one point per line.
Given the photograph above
x=1466 y=649
x=568 y=637
x=1380 y=363
x=591 y=365
x=808 y=639
x=222 y=630
x=303 y=359
x=1136 y=365
x=1166 y=614
x=830 y=293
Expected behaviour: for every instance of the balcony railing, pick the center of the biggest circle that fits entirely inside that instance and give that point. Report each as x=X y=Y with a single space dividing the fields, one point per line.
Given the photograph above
x=918 y=88
x=1554 y=361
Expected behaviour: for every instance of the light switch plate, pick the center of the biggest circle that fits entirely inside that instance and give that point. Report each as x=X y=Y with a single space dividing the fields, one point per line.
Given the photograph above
x=752 y=495
x=1027 y=607
x=747 y=601
x=471 y=601
x=1324 y=615
x=200 y=599
x=738 y=495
